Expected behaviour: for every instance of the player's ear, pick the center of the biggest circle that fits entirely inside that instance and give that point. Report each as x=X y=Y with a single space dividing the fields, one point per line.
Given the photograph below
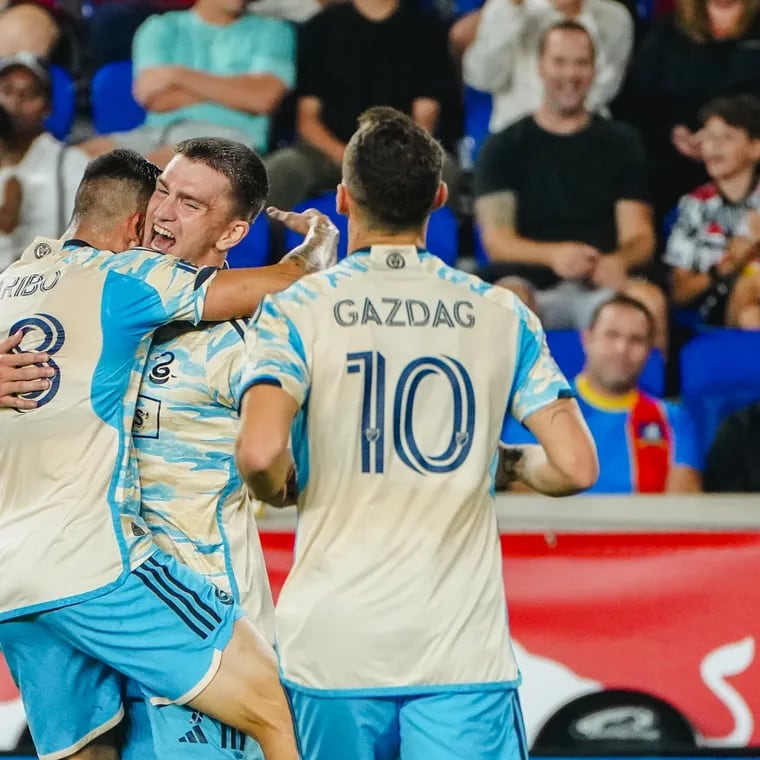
x=232 y=235
x=441 y=196
x=135 y=225
x=341 y=200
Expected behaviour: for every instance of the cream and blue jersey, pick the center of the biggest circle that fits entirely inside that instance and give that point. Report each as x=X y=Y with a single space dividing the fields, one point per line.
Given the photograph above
x=70 y=527
x=184 y=431
x=403 y=370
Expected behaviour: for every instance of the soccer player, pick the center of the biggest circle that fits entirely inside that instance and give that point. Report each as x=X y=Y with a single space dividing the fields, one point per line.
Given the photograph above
x=392 y=374
x=85 y=591
x=186 y=421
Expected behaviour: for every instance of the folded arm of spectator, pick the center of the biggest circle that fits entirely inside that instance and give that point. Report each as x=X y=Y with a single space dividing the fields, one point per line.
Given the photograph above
x=496 y=214
x=489 y=61
x=160 y=88
x=613 y=63
x=312 y=129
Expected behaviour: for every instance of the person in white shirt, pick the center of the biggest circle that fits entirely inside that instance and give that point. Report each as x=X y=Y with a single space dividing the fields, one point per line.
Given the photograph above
x=390 y=374
x=48 y=171
x=503 y=58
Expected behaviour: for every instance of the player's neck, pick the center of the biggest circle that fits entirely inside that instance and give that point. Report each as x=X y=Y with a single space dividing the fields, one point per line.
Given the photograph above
x=358 y=239
x=554 y=121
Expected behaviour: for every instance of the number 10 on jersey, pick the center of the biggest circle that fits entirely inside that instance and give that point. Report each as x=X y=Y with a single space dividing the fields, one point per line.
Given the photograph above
x=461 y=411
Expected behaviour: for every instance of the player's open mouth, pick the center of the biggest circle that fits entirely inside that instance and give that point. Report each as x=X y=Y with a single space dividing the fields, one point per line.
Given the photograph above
x=162 y=239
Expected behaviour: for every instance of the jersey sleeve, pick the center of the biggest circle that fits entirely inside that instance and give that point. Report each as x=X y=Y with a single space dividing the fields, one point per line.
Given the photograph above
x=170 y=290
x=153 y=43
x=687 y=451
x=275 y=353
x=277 y=55
x=537 y=381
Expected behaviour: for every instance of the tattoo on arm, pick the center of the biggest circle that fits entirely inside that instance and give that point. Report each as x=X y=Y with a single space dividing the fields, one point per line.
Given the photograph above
x=497 y=209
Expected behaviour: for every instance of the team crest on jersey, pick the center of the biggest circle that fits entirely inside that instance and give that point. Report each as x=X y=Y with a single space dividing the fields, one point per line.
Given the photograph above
x=160 y=372
x=41 y=250
x=395 y=260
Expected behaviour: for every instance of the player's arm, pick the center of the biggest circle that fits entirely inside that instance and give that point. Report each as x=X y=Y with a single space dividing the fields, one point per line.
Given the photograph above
x=564 y=461
x=21 y=373
x=236 y=293
x=263 y=458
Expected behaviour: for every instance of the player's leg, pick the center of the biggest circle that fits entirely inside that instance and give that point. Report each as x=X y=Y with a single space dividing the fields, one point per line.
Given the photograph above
x=174 y=626
x=481 y=725
x=334 y=728
x=181 y=731
x=246 y=693
x=72 y=702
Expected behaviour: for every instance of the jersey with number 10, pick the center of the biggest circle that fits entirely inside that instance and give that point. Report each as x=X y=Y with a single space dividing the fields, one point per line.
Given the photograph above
x=403 y=369
x=69 y=492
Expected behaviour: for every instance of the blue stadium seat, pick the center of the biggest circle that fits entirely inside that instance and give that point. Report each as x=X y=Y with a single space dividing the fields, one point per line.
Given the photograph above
x=443 y=235
x=481 y=257
x=477 y=114
x=253 y=249
x=720 y=373
x=325 y=204
x=443 y=230
x=114 y=109
x=63 y=105
x=567 y=350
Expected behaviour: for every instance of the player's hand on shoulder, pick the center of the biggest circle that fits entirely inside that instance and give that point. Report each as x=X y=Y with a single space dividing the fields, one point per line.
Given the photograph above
x=319 y=249
x=21 y=372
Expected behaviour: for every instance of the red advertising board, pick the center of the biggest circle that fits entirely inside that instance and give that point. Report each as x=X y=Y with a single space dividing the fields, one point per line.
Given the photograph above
x=672 y=615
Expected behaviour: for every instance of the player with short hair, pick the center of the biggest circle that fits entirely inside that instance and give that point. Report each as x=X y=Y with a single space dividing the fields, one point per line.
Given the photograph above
x=92 y=595
x=186 y=421
x=392 y=373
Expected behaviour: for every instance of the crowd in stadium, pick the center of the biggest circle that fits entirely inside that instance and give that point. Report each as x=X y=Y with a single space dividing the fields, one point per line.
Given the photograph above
x=620 y=170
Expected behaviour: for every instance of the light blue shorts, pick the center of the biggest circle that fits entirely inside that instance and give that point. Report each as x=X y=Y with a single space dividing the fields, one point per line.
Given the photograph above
x=165 y=627
x=477 y=725
x=155 y=733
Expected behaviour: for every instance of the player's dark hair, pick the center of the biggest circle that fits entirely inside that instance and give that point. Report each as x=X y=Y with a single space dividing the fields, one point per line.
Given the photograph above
x=241 y=166
x=567 y=25
x=392 y=168
x=6 y=127
x=621 y=299
x=741 y=111
x=113 y=184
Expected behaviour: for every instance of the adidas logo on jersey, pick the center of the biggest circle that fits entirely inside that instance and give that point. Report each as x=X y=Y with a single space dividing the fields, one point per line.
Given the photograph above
x=194 y=736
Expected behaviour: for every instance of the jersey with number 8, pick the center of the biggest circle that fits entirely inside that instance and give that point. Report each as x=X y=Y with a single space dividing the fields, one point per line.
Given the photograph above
x=403 y=369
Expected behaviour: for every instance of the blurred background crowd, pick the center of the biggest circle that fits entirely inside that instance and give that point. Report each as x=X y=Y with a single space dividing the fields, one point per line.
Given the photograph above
x=601 y=162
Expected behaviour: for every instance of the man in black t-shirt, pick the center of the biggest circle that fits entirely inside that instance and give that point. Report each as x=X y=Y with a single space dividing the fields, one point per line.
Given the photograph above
x=353 y=56
x=561 y=195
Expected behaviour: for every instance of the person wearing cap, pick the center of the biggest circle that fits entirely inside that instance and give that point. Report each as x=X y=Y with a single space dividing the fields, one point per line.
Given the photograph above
x=48 y=171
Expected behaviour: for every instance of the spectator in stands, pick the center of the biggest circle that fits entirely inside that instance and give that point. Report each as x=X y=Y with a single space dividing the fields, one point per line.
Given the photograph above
x=733 y=464
x=709 y=248
x=352 y=56
x=705 y=49
x=561 y=196
x=209 y=71
x=645 y=445
x=48 y=171
x=10 y=187
x=502 y=58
